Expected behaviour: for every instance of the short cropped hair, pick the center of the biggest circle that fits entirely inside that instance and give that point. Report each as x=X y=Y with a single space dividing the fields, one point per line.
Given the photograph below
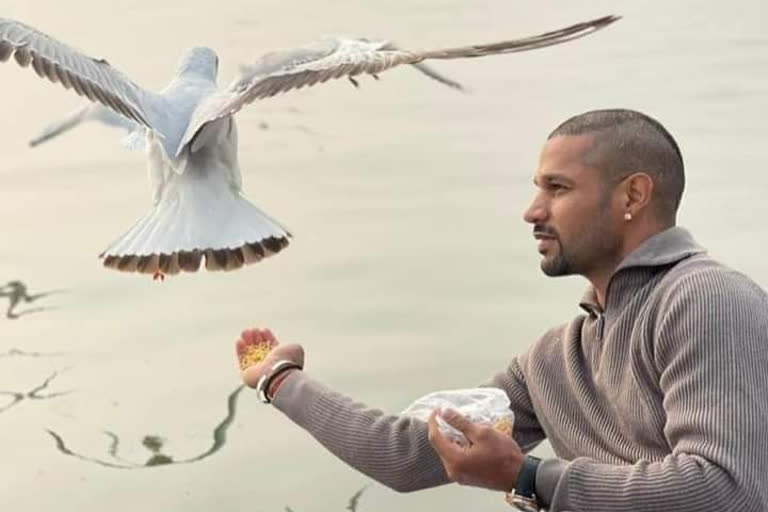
x=627 y=141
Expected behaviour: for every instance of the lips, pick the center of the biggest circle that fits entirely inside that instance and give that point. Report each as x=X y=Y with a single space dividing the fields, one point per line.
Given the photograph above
x=545 y=244
x=546 y=241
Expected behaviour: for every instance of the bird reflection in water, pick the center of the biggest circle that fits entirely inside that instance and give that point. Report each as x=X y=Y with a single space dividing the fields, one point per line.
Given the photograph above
x=22 y=353
x=154 y=444
x=353 y=501
x=33 y=394
x=16 y=292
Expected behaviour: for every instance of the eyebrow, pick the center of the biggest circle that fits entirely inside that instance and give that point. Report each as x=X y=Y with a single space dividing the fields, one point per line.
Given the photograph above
x=549 y=178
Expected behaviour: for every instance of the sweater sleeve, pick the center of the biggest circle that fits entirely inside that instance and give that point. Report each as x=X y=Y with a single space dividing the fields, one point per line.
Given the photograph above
x=712 y=361
x=392 y=449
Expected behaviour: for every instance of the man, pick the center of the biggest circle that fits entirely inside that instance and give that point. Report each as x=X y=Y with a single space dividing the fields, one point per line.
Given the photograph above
x=654 y=399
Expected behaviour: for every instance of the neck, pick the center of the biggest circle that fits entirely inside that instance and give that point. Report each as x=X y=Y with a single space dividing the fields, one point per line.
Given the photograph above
x=633 y=238
x=600 y=281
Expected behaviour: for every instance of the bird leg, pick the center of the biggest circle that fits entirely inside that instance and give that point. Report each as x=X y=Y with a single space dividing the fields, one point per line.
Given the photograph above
x=374 y=75
x=158 y=275
x=354 y=82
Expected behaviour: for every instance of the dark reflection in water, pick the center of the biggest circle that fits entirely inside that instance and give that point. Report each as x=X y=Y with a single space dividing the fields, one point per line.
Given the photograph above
x=33 y=394
x=353 y=501
x=16 y=292
x=16 y=352
x=155 y=444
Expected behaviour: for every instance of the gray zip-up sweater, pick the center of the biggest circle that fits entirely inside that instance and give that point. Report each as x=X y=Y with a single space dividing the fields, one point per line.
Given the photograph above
x=657 y=402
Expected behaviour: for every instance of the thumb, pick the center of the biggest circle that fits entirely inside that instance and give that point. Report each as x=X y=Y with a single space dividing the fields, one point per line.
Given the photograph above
x=460 y=422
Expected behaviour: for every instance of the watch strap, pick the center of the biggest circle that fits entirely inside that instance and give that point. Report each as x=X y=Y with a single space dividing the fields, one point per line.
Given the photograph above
x=526 y=480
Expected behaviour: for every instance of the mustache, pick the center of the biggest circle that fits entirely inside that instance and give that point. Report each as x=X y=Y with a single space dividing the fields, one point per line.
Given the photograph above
x=540 y=229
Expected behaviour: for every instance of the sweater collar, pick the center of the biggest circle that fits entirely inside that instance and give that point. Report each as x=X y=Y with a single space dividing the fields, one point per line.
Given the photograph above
x=669 y=246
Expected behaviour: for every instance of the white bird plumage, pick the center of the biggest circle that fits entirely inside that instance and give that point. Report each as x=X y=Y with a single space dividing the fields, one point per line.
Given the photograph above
x=190 y=137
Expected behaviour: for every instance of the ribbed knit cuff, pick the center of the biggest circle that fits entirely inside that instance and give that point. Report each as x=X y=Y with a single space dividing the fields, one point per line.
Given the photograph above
x=548 y=476
x=296 y=395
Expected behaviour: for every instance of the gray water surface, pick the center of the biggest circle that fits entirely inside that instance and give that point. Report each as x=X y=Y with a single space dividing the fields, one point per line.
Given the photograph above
x=411 y=269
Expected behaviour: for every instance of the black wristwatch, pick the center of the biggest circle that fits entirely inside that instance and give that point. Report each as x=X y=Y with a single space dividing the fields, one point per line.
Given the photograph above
x=523 y=496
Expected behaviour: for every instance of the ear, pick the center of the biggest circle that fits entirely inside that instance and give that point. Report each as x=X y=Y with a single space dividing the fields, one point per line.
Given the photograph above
x=638 y=189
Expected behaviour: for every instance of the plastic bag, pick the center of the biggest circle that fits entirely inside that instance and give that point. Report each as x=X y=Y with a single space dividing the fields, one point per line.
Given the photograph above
x=480 y=405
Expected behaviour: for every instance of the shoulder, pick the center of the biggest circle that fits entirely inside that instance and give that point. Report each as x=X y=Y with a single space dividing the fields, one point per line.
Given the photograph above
x=701 y=279
x=706 y=304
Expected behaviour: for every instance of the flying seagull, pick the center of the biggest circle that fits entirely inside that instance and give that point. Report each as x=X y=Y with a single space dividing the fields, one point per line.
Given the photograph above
x=189 y=134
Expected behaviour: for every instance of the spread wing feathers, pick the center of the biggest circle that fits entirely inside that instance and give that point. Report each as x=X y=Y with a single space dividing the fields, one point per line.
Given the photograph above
x=92 y=78
x=278 y=72
x=559 y=36
x=427 y=70
x=434 y=75
x=89 y=112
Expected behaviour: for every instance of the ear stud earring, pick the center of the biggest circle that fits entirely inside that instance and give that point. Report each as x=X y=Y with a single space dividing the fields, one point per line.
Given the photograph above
x=627 y=216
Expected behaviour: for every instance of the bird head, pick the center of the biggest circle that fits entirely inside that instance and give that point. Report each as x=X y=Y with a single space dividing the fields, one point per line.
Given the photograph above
x=201 y=61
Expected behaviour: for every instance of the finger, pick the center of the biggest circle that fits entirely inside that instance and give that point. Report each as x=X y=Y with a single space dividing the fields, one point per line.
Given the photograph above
x=240 y=346
x=258 y=336
x=444 y=448
x=461 y=423
x=266 y=339
x=247 y=335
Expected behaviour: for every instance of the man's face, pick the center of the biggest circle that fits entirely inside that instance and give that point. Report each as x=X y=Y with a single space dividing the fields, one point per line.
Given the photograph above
x=572 y=212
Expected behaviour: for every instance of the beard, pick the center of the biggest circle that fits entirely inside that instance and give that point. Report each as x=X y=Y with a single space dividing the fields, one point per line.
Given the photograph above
x=557 y=264
x=593 y=246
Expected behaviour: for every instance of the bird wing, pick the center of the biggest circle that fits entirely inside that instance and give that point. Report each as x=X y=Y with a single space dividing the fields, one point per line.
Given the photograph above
x=282 y=71
x=88 y=112
x=92 y=78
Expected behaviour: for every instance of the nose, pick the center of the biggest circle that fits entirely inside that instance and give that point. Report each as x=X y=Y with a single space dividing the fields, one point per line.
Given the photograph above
x=536 y=213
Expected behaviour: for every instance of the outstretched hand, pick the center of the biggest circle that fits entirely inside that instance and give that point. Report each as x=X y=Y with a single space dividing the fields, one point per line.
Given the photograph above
x=491 y=459
x=262 y=340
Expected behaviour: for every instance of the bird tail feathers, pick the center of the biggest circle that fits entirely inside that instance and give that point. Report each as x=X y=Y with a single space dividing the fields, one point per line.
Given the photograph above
x=197 y=218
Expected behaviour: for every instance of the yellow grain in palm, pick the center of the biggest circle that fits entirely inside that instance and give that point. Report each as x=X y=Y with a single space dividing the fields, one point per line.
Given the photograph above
x=254 y=354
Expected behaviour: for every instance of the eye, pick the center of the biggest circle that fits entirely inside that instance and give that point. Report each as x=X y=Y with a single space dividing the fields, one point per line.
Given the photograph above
x=557 y=188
